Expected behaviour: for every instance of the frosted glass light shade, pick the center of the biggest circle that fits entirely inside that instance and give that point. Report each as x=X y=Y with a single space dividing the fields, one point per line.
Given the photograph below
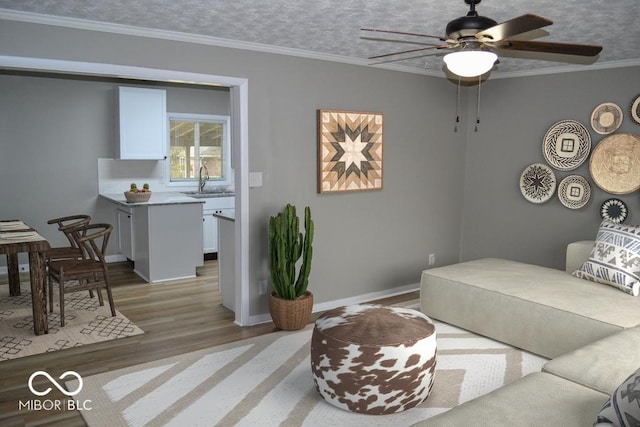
x=470 y=63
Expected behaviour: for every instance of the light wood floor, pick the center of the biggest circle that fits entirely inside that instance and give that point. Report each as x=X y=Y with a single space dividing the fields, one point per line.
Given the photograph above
x=178 y=317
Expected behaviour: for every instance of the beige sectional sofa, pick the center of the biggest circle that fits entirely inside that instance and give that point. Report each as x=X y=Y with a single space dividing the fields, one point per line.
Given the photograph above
x=589 y=330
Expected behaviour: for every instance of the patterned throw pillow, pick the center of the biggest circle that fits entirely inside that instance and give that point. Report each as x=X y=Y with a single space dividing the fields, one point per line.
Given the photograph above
x=615 y=258
x=623 y=407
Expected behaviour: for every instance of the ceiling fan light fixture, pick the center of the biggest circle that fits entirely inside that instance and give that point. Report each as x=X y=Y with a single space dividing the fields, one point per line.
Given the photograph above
x=470 y=63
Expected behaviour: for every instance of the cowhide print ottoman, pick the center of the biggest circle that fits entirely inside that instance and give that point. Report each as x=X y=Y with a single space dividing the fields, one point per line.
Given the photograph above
x=373 y=359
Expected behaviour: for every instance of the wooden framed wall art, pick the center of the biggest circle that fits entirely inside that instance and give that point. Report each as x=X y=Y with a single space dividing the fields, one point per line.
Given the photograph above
x=350 y=151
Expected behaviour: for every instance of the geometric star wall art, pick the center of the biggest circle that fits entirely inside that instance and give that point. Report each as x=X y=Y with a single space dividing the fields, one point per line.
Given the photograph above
x=350 y=146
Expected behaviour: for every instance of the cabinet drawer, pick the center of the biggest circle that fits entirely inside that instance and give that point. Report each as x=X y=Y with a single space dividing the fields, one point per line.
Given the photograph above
x=215 y=203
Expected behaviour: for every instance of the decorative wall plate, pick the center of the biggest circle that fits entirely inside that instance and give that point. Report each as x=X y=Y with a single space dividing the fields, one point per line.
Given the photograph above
x=574 y=191
x=566 y=145
x=606 y=118
x=615 y=163
x=537 y=183
x=635 y=110
x=614 y=210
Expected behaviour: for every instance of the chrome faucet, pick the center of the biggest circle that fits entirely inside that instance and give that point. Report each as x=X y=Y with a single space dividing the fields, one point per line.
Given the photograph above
x=202 y=179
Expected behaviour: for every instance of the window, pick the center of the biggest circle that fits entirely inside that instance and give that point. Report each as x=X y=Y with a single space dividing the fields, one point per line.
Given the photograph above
x=197 y=140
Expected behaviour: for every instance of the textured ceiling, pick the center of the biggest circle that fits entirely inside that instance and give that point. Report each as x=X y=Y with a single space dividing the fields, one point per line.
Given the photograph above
x=332 y=27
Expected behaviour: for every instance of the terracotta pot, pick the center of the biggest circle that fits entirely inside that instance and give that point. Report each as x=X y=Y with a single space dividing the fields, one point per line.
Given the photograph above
x=291 y=315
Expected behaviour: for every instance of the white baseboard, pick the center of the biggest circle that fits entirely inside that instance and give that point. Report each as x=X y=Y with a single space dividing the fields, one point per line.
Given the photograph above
x=323 y=306
x=115 y=258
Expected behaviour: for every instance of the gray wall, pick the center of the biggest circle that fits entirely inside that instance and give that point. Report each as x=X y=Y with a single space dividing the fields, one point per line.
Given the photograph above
x=51 y=136
x=515 y=115
x=365 y=242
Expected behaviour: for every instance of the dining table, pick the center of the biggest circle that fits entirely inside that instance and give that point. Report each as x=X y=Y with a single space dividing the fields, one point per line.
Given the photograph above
x=17 y=237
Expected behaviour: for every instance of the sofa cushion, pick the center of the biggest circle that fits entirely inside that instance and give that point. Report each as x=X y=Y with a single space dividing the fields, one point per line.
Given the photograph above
x=543 y=310
x=615 y=258
x=577 y=254
x=623 y=407
x=536 y=400
x=601 y=365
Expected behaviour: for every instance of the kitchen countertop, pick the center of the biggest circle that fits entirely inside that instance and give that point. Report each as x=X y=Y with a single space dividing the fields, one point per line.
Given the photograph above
x=157 y=198
x=230 y=215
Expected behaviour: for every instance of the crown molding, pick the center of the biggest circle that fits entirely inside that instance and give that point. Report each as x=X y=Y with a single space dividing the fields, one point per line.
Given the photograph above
x=84 y=24
x=90 y=25
x=568 y=69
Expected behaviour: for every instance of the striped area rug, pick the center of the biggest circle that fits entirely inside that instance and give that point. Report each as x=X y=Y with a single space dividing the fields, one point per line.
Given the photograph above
x=266 y=381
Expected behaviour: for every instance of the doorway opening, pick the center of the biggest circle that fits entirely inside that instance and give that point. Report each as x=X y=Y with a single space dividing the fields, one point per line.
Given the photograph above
x=238 y=88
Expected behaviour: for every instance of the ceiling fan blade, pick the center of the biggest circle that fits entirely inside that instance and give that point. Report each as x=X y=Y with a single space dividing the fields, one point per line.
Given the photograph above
x=403 y=33
x=408 y=51
x=512 y=27
x=405 y=58
x=550 y=47
x=377 y=39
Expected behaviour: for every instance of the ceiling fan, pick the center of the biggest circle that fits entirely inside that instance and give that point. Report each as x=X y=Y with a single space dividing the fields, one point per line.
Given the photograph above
x=472 y=41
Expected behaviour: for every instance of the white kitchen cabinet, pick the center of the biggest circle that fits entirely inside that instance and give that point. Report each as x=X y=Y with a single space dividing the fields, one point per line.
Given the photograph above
x=126 y=232
x=209 y=232
x=142 y=123
x=210 y=223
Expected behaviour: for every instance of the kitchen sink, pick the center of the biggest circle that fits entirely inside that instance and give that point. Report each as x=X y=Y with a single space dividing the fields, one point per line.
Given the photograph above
x=208 y=194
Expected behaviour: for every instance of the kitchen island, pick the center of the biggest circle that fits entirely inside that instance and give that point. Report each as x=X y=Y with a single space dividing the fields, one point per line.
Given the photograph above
x=163 y=237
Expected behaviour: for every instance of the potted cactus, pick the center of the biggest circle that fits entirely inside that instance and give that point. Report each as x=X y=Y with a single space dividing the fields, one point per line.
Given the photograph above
x=290 y=303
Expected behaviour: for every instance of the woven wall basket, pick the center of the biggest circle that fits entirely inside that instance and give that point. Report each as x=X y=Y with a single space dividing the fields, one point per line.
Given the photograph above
x=291 y=315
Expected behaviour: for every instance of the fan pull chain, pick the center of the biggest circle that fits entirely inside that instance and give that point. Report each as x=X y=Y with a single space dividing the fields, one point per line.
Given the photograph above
x=455 y=129
x=478 y=104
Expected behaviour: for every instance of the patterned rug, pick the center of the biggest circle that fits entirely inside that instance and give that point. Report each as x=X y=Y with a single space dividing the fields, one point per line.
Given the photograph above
x=86 y=322
x=266 y=381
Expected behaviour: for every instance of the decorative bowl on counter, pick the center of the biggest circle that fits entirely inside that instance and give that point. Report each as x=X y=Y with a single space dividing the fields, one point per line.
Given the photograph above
x=140 y=196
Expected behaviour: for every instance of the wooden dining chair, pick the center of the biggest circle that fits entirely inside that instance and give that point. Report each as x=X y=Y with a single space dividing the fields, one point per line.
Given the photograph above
x=66 y=225
x=88 y=273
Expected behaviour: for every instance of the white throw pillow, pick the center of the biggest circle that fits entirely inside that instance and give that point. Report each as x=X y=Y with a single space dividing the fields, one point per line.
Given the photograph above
x=615 y=258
